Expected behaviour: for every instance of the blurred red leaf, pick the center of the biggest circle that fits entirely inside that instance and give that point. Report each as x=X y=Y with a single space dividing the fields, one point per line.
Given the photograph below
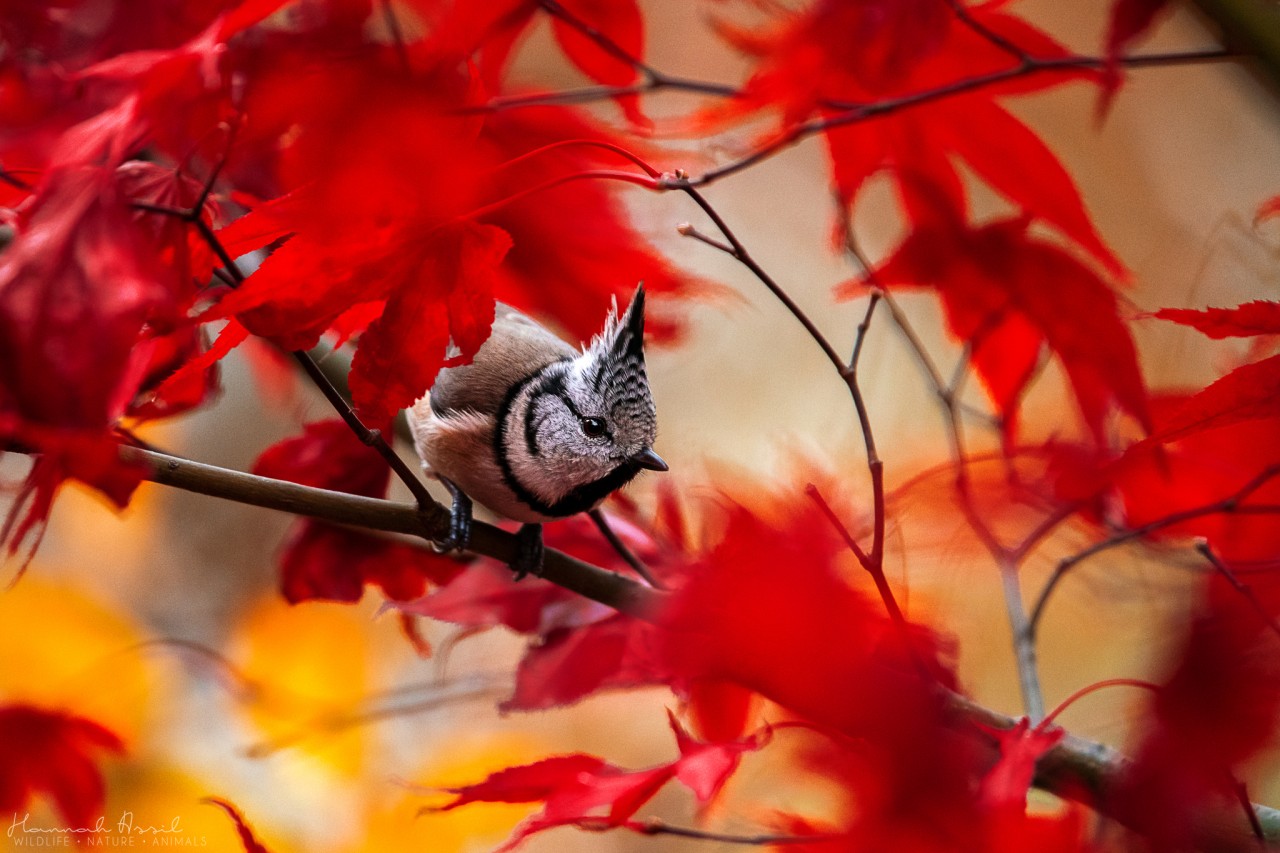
x=571 y=663
x=55 y=754
x=83 y=306
x=450 y=299
x=1007 y=294
x=180 y=376
x=583 y=790
x=1183 y=770
x=1267 y=209
x=720 y=710
x=484 y=596
x=247 y=838
x=321 y=561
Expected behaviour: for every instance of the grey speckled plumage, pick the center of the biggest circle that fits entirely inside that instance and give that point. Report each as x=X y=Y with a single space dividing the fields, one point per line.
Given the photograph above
x=536 y=430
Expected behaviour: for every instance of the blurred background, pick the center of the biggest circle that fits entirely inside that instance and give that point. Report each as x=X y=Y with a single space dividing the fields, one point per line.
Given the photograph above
x=274 y=723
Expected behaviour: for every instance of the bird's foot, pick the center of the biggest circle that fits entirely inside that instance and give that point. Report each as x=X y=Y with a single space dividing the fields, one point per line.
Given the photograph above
x=459 y=520
x=529 y=551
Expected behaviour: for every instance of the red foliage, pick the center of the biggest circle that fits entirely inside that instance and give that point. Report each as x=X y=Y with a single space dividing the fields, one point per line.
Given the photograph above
x=321 y=561
x=1186 y=762
x=583 y=790
x=806 y=68
x=1007 y=294
x=1204 y=469
x=55 y=754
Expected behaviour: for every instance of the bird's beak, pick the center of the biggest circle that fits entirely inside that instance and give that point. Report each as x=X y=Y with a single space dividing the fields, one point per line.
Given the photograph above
x=650 y=460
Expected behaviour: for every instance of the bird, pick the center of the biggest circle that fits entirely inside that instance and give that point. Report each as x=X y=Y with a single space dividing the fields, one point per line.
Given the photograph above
x=536 y=430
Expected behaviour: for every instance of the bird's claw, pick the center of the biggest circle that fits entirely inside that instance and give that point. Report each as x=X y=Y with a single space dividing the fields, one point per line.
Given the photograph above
x=529 y=551
x=459 y=521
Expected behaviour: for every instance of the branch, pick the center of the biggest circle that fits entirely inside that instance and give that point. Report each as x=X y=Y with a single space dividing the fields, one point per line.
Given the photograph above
x=1088 y=772
x=608 y=588
x=858 y=113
x=1229 y=504
x=1074 y=768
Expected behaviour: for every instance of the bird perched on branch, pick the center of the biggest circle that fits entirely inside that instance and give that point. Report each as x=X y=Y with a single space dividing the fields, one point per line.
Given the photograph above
x=536 y=430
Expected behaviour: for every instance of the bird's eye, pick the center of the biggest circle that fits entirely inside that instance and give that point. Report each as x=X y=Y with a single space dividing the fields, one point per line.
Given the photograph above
x=593 y=427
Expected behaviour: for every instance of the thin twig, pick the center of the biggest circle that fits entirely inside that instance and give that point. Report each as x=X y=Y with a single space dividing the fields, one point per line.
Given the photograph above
x=611 y=536
x=1206 y=550
x=741 y=255
x=1024 y=641
x=654 y=826
x=966 y=17
x=859 y=113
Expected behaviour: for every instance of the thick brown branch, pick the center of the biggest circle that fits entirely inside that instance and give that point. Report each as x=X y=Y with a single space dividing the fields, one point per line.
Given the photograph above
x=1075 y=768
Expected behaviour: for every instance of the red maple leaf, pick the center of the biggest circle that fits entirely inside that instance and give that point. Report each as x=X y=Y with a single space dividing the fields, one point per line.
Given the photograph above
x=572 y=663
x=1250 y=391
x=571 y=266
x=77 y=262
x=583 y=790
x=807 y=70
x=386 y=170
x=1008 y=294
x=484 y=597
x=55 y=754
x=321 y=561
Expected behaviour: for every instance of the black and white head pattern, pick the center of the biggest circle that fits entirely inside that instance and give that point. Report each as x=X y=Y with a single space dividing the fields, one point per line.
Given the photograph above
x=581 y=428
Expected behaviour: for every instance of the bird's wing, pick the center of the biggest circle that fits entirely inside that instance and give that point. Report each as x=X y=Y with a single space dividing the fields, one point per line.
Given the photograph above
x=516 y=348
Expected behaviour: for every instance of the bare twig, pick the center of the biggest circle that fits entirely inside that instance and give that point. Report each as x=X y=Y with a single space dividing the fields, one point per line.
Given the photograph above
x=858 y=113
x=739 y=253
x=654 y=826
x=1007 y=559
x=966 y=17
x=1206 y=550
x=607 y=531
